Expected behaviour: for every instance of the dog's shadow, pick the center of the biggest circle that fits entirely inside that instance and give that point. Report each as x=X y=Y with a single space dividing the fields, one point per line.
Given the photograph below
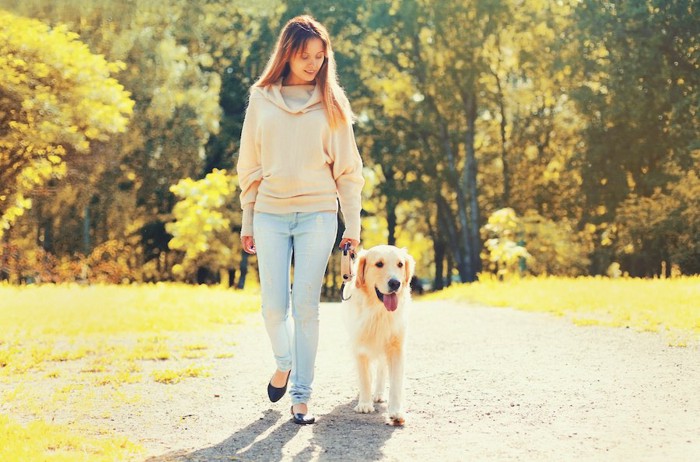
x=341 y=434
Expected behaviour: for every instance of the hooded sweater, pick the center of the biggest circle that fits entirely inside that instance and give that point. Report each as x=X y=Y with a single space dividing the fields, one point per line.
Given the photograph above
x=290 y=160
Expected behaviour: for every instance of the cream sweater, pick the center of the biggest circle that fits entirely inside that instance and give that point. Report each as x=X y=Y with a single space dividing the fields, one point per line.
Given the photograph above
x=291 y=161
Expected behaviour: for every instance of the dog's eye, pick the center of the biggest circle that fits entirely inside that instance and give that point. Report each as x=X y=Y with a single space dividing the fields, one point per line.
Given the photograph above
x=379 y=264
x=400 y=264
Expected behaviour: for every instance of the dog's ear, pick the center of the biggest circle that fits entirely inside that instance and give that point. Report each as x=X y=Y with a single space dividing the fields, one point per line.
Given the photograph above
x=409 y=267
x=360 y=273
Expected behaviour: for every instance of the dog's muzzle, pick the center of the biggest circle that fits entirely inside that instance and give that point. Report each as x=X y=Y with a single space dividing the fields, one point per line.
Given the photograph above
x=390 y=300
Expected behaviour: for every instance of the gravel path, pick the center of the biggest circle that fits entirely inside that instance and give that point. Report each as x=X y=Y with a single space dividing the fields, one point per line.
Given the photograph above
x=482 y=384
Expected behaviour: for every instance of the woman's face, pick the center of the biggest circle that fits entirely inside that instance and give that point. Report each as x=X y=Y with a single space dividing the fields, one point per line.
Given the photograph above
x=305 y=65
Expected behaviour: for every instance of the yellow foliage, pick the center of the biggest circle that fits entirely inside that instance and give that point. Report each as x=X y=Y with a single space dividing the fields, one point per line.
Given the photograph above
x=56 y=96
x=203 y=218
x=532 y=244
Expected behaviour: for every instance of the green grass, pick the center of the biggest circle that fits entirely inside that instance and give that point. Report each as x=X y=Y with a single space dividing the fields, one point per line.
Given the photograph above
x=671 y=306
x=75 y=310
x=76 y=348
x=39 y=441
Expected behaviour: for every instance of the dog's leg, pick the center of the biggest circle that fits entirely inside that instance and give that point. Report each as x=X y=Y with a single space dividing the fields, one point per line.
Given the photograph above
x=380 y=381
x=396 y=371
x=364 y=403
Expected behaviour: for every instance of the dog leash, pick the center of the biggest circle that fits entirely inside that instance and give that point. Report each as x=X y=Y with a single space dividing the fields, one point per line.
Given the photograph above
x=342 y=289
x=346 y=260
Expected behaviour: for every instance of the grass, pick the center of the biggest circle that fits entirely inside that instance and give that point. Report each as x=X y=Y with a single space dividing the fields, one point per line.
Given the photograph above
x=669 y=306
x=69 y=354
x=74 y=310
x=175 y=376
x=75 y=351
x=39 y=440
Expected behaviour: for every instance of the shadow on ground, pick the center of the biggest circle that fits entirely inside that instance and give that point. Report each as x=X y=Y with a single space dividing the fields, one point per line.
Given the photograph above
x=340 y=435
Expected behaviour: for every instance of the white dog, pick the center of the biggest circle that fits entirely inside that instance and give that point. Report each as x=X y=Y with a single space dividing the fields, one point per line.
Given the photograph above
x=376 y=305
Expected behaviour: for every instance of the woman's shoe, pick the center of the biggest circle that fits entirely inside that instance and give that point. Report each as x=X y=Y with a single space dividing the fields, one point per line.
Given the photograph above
x=302 y=419
x=275 y=394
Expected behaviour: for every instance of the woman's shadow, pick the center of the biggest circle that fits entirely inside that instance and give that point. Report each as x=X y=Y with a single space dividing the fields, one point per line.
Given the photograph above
x=341 y=434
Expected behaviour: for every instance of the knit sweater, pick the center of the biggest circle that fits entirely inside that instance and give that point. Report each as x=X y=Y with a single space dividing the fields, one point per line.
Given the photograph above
x=290 y=160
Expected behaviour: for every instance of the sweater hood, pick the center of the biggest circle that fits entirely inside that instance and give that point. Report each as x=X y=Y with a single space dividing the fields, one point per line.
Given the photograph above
x=273 y=93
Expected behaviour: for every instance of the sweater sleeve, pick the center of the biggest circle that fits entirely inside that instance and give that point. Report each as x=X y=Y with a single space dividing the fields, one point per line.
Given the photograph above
x=248 y=167
x=347 y=172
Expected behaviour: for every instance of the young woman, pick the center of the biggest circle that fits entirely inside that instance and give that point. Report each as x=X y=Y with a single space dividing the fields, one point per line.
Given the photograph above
x=297 y=160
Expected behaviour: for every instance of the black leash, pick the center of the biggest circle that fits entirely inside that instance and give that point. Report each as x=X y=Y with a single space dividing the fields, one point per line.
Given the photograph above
x=342 y=289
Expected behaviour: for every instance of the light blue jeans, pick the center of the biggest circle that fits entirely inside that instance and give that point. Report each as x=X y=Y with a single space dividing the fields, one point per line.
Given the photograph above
x=309 y=237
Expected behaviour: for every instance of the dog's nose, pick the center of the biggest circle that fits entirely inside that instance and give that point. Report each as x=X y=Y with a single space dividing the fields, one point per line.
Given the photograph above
x=394 y=284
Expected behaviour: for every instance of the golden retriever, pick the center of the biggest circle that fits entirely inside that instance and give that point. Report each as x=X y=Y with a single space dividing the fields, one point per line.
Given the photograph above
x=375 y=306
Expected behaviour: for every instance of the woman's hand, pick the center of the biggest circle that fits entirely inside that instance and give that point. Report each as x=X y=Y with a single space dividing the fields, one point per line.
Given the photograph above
x=353 y=243
x=248 y=244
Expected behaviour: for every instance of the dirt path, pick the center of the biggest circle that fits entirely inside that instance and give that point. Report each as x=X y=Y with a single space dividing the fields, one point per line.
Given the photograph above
x=482 y=384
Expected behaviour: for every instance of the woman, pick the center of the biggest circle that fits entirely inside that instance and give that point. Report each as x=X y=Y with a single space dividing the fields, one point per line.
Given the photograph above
x=297 y=160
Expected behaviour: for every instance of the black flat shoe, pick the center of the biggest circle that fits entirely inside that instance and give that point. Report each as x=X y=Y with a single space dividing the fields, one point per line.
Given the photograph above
x=275 y=394
x=302 y=419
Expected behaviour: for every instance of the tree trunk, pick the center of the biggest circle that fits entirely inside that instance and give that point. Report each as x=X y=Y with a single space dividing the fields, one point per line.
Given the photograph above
x=86 y=229
x=5 y=271
x=391 y=204
x=468 y=182
x=505 y=199
x=439 y=248
x=462 y=239
x=446 y=222
x=44 y=229
x=448 y=278
x=231 y=277
x=244 y=271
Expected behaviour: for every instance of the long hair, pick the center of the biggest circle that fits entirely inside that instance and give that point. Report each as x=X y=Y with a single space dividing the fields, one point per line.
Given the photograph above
x=292 y=40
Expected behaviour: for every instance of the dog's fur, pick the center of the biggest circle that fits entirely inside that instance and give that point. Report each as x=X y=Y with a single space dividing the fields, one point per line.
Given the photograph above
x=377 y=333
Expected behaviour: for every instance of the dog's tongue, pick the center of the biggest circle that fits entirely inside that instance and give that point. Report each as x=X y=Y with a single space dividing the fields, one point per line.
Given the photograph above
x=391 y=301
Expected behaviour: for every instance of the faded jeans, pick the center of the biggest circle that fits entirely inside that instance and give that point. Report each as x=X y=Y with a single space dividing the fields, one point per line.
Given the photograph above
x=309 y=237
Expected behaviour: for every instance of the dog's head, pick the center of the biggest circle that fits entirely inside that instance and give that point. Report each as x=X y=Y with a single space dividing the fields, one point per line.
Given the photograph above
x=384 y=272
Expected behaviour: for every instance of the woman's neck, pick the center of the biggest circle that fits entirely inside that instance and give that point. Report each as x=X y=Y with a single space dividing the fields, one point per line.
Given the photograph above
x=287 y=82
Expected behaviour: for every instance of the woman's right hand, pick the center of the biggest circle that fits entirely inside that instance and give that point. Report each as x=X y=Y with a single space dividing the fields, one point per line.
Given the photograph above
x=248 y=244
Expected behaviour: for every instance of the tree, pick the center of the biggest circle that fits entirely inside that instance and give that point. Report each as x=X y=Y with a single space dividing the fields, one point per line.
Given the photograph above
x=581 y=116
x=57 y=100
x=664 y=227
x=426 y=61
x=205 y=217
x=638 y=95
x=532 y=244
x=174 y=55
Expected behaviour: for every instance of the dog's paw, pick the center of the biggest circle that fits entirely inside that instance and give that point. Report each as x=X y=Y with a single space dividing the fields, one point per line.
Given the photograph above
x=397 y=419
x=364 y=408
x=379 y=398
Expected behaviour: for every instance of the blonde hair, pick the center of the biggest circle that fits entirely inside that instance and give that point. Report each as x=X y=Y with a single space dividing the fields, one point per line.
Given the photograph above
x=292 y=40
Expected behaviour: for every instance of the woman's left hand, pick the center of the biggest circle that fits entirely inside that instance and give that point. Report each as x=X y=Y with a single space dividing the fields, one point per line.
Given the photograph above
x=354 y=244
